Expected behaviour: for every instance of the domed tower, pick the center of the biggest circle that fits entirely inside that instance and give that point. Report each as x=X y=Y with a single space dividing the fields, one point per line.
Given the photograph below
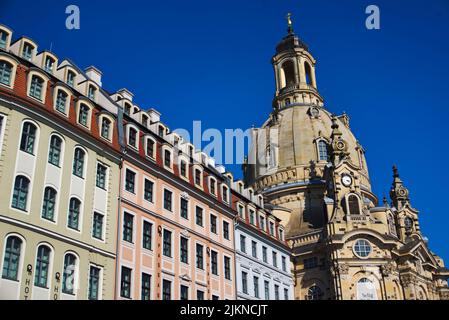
x=312 y=173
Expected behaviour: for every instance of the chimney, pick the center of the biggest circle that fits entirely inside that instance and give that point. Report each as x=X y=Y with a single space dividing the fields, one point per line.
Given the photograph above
x=93 y=74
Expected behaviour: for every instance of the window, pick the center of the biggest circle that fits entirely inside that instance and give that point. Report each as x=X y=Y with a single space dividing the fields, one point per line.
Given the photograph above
x=148 y=190
x=281 y=234
x=125 y=285
x=199 y=256
x=11 y=258
x=54 y=153
x=214 y=263
x=166 y=290
x=28 y=137
x=91 y=92
x=225 y=194
x=215 y=297
x=213 y=224
x=256 y=286
x=262 y=222
x=227 y=268
x=83 y=116
x=276 y=292
x=244 y=282
x=184 y=244
x=391 y=225
x=127 y=109
x=322 y=151
x=241 y=213
x=251 y=217
x=70 y=78
x=101 y=176
x=184 y=293
x=5 y=73
x=353 y=203
x=184 y=208
x=94 y=282
x=199 y=216
x=168 y=200
x=213 y=184
x=27 y=52
x=150 y=148
x=285 y=294
x=310 y=263
x=272 y=228
x=264 y=254
x=130 y=178
x=275 y=259
x=199 y=295
x=74 y=213
x=226 y=230
x=314 y=293
x=408 y=223
x=147 y=235
x=128 y=222
x=243 y=243
x=183 y=168
x=284 y=264
x=97 y=228
x=42 y=266
x=48 y=206
x=68 y=277
x=266 y=286
x=161 y=131
x=132 y=137
x=254 y=248
x=167 y=158
x=145 y=286
x=78 y=162
x=198 y=177
x=20 y=194
x=362 y=248
x=3 y=38
x=49 y=62
x=105 y=128
x=166 y=249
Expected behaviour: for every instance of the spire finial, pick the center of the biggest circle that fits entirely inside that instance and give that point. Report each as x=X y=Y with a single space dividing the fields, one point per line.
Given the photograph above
x=395 y=172
x=289 y=23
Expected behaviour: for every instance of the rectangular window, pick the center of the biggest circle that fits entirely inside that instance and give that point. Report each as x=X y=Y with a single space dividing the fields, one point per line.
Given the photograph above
x=199 y=256
x=183 y=168
x=97 y=229
x=161 y=131
x=256 y=287
x=262 y=222
x=150 y=148
x=243 y=243
x=214 y=263
x=94 y=283
x=310 y=263
x=148 y=190
x=199 y=216
x=213 y=224
x=226 y=230
x=241 y=213
x=225 y=194
x=215 y=297
x=244 y=282
x=168 y=200
x=251 y=217
x=199 y=295
x=184 y=244
x=184 y=208
x=61 y=100
x=276 y=292
x=3 y=37
x=145 y=292
x=105 y=128
x=264 y=254
x=130 y=180
x=132 y=137
x=125 y=285
x=83 y=115
x=91 y=93
x=128 y=222
x=27 y=52
x=254 y=249
x=167 y=158
x=272 y=228
x=281 y=234
x=166 y=250
x=49 y=64
x=184 y=293
x=285 y=294
x=166 y=290
x=70 y=78
x=284 y=264
x=227 y=268
x=266 y=285
x=147 y=235
x=213 y=186
x=275 y=259
x=198 y=177
x=101 y=176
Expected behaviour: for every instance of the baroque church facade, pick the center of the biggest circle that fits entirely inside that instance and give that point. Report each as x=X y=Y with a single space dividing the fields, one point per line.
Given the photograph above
x=313 y=175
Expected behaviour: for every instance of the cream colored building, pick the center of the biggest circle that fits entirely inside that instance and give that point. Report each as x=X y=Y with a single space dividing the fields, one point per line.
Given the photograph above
x=311 y=169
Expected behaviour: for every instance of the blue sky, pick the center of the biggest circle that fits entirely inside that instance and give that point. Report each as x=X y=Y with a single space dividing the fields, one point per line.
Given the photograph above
x=210 y=61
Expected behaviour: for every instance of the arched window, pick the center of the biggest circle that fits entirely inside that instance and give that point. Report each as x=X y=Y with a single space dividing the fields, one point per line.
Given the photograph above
x=91 y=92
x=314 y=293
x=132 y=137
x=28 y=137
x=105 y=128
x=74 y=213
x=42 y=266
x=61 y=101
x=308 y=73
x=78 y=162
x=11 y=258
x=54 y=153
x=288 y=69
x=322 y=151
x=408 y=222
x=127 y=109
x=5 y=73
x=70 y=78
x=37 y=84
x=83 y=116
x=366 y=290
x=69 y=274
x=391 y=225
x=353 y=204
x=20 y=194
x=48 y=206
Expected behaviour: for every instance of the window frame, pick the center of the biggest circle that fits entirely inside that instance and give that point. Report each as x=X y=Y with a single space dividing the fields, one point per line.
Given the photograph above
x=34 y=73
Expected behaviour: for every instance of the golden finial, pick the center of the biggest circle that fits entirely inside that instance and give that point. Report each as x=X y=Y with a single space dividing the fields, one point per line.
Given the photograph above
x=289 y=22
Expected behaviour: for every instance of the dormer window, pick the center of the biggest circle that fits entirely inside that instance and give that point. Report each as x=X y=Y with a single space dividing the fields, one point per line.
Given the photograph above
x=61 y=101
x=27 y=52
x=127 y=109
x=281 y=234
x=262 y=222
x=70 y=78
x=183 y=168
x=132 y=137
x=5 y=73
x=105 y=128
x=3 y=38
x=167 y=158
x=161 y=131
x=225 y=194
x=271 y=228
x=49 y=62
x=83 y=116
x=144 y=120
x=212 y=186
x=36 y=87
x=91 y=92
x=150 y=148
x=198 y=177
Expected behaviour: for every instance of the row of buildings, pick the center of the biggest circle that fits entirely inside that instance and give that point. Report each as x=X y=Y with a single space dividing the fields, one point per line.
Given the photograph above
x=100 y=200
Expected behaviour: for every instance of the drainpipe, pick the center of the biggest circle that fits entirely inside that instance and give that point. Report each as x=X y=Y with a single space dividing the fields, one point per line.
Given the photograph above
x=235 y=258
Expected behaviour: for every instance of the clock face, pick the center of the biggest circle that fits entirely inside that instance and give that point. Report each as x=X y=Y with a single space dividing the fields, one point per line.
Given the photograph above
x=346 y=180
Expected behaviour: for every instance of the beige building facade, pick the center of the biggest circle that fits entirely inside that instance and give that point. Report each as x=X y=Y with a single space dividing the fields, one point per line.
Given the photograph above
x=312 y=170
